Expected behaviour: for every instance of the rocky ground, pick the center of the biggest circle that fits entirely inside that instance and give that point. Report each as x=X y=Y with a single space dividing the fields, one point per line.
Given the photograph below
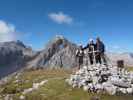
x=47 y=84
x=103 y=79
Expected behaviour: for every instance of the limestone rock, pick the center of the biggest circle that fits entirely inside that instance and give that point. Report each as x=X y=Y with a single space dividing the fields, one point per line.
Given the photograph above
x=59 y=52
x=13 y=56
x=97 y=78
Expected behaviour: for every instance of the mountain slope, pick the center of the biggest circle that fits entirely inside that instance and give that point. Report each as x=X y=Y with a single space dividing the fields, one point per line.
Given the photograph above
x=59 y=52
x=13 y=56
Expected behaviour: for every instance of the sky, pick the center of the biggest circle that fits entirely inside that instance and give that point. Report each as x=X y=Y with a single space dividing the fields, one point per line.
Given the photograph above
x=35 y=22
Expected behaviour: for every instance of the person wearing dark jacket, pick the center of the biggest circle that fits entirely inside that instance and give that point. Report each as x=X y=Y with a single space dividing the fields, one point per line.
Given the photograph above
x=91 y=48
x=80 y=55
x=100 y=48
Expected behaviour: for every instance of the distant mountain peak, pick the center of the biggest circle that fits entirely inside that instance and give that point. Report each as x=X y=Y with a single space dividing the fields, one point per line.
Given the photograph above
x=17 y=43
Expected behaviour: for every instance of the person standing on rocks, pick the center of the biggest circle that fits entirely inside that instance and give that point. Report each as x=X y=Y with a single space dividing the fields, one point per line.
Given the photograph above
x=80 y=55
x=91 y=48
x=100 y=48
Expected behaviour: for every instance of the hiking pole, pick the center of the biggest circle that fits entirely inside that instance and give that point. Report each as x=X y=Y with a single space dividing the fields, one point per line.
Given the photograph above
x=93 y=52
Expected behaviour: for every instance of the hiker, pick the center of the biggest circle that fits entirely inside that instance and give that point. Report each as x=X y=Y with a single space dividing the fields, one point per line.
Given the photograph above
x=80 y=55
x=100 y=47
x=91 y=48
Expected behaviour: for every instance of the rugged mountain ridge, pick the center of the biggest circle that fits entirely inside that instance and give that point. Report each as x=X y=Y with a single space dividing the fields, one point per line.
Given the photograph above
x=13 y=56
x=59 y=52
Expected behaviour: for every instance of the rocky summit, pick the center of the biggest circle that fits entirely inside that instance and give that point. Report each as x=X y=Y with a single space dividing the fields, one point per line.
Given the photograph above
x=100 y=78
x=59 y=52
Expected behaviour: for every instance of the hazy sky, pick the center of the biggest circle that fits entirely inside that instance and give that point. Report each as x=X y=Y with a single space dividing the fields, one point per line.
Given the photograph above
x=36 y=21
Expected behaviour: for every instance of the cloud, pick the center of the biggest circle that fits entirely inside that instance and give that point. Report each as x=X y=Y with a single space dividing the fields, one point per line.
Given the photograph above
x=60 y=18
x=7 y=31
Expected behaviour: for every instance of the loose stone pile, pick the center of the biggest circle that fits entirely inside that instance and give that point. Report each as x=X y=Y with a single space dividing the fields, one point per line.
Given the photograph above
x=100 y=78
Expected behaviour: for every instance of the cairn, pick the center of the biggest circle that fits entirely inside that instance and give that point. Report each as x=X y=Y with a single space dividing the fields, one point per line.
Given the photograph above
x=103 y=78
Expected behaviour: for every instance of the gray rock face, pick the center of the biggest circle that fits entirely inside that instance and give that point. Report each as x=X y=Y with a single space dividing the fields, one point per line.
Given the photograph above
x=13 y=56
x=58 y=53
x=65 y=58
x=13 y=52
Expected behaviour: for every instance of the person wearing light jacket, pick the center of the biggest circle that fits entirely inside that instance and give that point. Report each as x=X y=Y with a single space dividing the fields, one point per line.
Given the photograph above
x=91 y=48
x=80 y=56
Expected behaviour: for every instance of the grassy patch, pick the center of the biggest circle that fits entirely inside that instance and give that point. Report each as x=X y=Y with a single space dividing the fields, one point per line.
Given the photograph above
x=129 y=68
x=55 y=89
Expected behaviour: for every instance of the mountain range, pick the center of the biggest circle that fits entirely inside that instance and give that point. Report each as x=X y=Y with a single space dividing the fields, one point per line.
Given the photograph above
x=59 y=52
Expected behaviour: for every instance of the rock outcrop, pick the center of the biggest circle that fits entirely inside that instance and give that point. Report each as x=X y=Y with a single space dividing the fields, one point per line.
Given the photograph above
x=13 y=56
x=58 y=53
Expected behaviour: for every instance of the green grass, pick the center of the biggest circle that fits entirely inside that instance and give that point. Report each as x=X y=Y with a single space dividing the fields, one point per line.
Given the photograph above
x=129 y=68
x=55 y=89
